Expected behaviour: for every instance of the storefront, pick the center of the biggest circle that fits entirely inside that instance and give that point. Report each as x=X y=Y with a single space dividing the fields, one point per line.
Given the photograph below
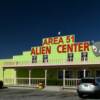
x=58 y=61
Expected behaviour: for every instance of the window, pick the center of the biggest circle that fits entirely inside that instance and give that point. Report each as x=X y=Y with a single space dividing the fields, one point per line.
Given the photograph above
x=84 y=56
x=68 y=74
x=45 y=58
x=34 y=59
x=60 y=74
x=70 y=57
x=97 y=73
x=88 y=80
x=98 y=79
x=81 y=74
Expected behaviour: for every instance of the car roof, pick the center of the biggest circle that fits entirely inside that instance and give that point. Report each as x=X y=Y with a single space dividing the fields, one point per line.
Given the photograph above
x=88 y=78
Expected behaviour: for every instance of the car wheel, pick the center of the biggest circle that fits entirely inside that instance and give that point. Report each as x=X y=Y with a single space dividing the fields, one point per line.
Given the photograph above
x=81 y=95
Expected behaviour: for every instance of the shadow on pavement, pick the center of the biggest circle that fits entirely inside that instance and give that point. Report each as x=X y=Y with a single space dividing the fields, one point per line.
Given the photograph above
x=4 y=87
x=92 y=97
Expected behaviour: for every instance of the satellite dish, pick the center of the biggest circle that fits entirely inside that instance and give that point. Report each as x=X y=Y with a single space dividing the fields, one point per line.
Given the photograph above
x=92 y=42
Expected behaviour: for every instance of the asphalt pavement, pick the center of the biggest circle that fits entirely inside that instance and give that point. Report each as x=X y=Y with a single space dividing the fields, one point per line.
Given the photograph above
x=37 y=94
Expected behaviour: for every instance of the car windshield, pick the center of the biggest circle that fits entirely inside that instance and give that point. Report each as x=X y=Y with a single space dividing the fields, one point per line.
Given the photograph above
x=98 y=79
x=87 y=80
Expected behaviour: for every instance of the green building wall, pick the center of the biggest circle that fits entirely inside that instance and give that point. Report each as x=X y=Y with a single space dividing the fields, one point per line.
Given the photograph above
x=54 y=57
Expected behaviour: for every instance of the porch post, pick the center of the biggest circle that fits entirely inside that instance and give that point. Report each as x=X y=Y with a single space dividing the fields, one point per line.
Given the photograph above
x=3 y=74
x=45 y=77
x=84 y=73
x=63 y=77
x=29 y=77
x=15 y=81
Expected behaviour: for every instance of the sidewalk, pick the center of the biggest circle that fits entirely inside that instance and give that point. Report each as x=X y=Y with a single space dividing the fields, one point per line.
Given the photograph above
x=48 y=88
x=59 y=88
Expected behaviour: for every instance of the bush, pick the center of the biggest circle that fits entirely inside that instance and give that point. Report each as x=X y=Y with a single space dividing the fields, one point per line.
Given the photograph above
x=1 y=84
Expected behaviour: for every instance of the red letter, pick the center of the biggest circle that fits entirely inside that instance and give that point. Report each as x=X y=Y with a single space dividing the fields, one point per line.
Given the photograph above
x=86 y=46
x=69 y=47
x=48 y=50
x=74 y=47
x=68 y=39
x=60 y=40
x=80 y=47
x=50 y=40
x=64 y=48
x=38 y=50
x=59 y=48
x=55 y=40
x=45 y=42
x=33 y=51
x=43 y=50
x=73 y=38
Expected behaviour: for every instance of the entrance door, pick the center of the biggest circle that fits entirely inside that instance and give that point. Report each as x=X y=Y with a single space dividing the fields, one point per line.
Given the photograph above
x=55 y=77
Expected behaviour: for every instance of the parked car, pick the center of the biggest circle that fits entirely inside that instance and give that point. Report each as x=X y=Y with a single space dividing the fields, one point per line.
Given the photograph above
x=88 y=86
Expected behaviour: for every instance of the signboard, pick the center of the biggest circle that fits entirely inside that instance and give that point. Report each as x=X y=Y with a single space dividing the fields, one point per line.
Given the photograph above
x=63 y=45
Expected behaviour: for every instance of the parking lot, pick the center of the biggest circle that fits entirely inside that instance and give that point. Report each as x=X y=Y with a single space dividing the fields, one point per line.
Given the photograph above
x=33 y=94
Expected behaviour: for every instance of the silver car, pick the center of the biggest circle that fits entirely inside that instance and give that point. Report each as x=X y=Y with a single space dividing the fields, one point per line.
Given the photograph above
x=88 y=86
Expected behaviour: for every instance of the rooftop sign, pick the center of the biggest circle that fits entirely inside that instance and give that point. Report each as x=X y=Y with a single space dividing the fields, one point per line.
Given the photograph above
x=63 y=44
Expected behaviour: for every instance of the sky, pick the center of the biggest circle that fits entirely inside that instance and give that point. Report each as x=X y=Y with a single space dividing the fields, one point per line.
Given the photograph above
x=23 y=23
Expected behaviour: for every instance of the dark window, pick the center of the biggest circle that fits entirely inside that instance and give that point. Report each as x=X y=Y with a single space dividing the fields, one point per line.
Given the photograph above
x=98 y=73
x=70 y=57
x=88 y=80
x=68 y=74
x=84 y=56
x=45 y=58
x=98 y=80
x=81 y=74
x=60 y=74
x=34 y=59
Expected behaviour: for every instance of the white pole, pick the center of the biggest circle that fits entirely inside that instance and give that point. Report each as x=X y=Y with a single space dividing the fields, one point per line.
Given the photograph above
x=3 y=74
x=29 y=77
x=84 y=73
x=15 y=78
x=45 y=77
x=63 y=77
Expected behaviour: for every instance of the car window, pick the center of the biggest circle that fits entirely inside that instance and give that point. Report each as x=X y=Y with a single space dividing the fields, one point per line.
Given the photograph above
x=87 y=80
x=98 y=80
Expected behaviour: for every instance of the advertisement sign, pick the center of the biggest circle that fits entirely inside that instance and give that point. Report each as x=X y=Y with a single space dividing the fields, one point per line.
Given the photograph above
x=64 y=45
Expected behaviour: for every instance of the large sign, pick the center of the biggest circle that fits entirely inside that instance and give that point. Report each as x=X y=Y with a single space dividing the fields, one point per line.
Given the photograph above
x=59 y=40
x=63 y=45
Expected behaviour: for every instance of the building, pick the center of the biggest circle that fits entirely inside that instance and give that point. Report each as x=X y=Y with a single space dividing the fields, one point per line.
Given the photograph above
x=59 y=60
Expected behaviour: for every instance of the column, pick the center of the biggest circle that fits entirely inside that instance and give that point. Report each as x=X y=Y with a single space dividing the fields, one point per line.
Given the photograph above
x=29 y=77
x=84 y=73
x=15 y=78
x=45 y=77
x=63 y=77
x=3 y=74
